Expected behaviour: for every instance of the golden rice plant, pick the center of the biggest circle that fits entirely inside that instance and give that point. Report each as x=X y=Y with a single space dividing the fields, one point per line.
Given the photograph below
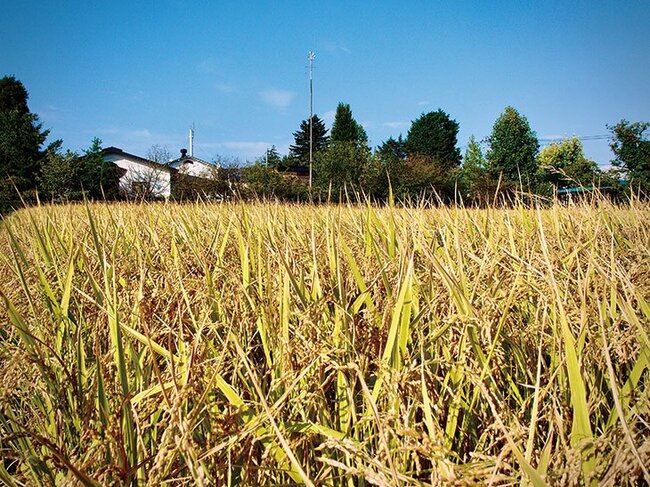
x=341 y=345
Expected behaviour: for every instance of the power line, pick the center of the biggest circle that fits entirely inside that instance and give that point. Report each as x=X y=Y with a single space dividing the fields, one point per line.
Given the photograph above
x=579 y=137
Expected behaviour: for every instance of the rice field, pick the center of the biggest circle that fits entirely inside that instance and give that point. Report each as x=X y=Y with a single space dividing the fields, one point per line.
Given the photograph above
x=275 y=344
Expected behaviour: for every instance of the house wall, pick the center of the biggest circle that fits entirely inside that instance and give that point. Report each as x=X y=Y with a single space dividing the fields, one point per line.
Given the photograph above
x=196 y=169
x=158 y=179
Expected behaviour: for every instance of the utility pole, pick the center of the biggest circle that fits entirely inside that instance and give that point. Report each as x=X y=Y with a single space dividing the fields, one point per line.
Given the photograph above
x=192 y=140
x=311 y=115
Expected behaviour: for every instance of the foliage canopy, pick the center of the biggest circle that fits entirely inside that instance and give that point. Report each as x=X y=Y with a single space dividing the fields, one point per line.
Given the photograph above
x=632 y=151
x=434 y=135
x=513 y=149
x=300 y=148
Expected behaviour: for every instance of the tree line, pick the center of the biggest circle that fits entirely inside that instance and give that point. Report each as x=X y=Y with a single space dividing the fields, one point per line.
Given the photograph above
x=426 y=163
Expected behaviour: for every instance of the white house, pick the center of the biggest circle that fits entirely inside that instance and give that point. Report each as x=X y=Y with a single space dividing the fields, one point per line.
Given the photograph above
x=140 y=176
x=193 y=166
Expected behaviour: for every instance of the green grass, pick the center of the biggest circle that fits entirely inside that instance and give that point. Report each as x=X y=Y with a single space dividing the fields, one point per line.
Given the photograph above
x=270 y=344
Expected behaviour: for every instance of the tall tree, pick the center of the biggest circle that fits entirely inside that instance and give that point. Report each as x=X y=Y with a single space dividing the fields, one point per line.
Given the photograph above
x=564 y=164
x=513 y=149
x=434 y=136
x=346 y=129
x=320 y=139
x=21 y=137
x=632 y=151
x=473 y=170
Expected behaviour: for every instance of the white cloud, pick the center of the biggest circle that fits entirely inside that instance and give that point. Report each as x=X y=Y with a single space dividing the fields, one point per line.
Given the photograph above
x=423 y=103
x=396 y=125
x=139 y=134
x=335 y=47
x=277 y=98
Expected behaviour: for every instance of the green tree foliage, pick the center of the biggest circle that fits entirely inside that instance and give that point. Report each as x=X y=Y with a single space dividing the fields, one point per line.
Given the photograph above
x=70 y=176
x=271 y=158
x=340 y=167
x=434 y=136
x=61 y=175
x=260 y=181
x=475 y=181
x=99 y=178
x=563 y=164
x=346 y=129
x=300 y=149
x=13 y=96
x=632 y=152
x=21 y=141
x=384 y=168
x=513 y=150
x=392 y=150
x=417 y=178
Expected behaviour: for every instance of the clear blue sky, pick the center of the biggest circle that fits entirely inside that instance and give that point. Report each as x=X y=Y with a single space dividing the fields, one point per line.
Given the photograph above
x=140 y=73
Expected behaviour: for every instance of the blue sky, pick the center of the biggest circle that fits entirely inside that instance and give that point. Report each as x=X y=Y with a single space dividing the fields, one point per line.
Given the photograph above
x=141 y=73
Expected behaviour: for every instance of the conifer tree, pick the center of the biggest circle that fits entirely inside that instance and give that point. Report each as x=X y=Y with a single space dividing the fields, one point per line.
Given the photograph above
x=346 y=129
x=21 y=137
x=300 y=149
x=21 y=145
x=513 y=149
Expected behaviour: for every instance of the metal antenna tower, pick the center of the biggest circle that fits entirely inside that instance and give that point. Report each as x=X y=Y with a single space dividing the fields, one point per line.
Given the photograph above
x=192 y=140
x=311 y=113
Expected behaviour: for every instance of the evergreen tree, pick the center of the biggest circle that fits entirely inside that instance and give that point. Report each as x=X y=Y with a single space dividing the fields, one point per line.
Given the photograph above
x=513 y=150
x=473 y=170
x=346 y=129
x=433 y=136
x=319 y=136
x=21 y=137
x=13 y=96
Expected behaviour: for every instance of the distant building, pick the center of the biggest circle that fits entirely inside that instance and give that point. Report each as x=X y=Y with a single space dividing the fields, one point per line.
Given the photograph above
x=140 y=176
x=143 y=178
x=193 y=166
